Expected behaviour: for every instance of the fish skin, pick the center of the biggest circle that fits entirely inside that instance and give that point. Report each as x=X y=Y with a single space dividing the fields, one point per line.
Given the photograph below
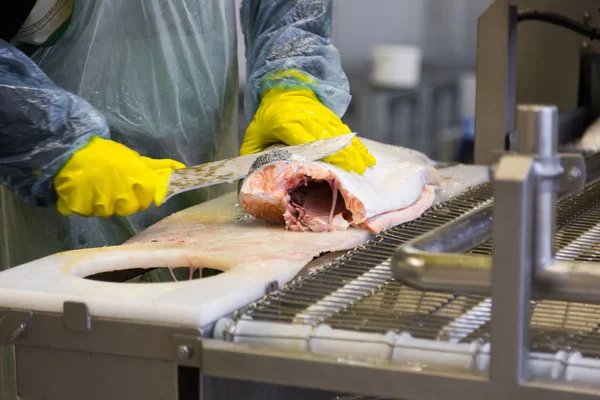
x=275 y=154
x=397 y=190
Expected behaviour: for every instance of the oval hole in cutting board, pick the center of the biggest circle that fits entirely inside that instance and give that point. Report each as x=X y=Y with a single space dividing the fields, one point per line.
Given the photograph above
x=134 y=275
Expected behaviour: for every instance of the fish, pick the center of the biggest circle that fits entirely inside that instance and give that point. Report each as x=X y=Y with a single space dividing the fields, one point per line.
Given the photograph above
x=315 y=196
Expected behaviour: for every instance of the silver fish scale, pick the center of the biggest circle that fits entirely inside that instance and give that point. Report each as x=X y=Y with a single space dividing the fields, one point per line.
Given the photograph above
x=276 y=153
x=357 y=292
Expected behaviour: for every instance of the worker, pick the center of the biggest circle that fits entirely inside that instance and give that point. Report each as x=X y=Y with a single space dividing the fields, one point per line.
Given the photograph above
x=101 y=100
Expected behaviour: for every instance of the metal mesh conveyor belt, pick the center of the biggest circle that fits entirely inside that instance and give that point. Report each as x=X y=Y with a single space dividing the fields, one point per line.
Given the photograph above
x=357 y=292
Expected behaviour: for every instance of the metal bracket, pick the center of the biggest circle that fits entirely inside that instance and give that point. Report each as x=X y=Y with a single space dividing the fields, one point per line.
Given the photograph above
x=271 y=287
x=12 y=325
x=573 y=164
x=76 y=317
x=575 y=175
x=72 y=331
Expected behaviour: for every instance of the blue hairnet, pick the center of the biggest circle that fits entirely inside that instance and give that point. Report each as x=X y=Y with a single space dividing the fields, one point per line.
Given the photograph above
x=292 y=34
x=41 y=126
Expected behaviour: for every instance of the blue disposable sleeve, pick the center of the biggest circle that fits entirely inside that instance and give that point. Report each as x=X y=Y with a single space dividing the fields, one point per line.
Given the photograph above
x=292 y=35
x=41 y=125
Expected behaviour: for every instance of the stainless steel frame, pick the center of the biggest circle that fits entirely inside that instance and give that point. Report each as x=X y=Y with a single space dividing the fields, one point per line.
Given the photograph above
x=146 y=360
x=425 y=263
x=524 y=189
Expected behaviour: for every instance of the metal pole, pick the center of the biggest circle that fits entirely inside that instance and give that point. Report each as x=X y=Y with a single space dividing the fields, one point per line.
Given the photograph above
x=537 y=134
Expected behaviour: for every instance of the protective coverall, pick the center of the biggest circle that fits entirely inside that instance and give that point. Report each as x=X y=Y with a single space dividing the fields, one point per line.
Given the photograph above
x=159 y=76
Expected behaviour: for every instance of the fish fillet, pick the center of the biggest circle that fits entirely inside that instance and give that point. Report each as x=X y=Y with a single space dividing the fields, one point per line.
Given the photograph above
x=320 y=197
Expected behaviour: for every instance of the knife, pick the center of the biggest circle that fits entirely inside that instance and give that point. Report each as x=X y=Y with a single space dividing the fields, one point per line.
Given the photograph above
x=233 y=169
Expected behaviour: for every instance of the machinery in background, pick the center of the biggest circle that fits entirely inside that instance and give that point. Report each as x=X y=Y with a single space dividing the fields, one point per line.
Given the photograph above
x=540 y=52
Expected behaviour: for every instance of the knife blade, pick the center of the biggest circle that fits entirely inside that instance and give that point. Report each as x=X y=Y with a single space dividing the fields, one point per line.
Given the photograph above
x=233 y=169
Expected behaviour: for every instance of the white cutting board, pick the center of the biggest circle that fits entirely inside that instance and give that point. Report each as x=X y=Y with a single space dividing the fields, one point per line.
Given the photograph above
x=215 y=234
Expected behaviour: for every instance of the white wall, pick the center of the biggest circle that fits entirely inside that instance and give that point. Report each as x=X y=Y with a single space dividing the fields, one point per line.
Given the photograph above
x=359 y=24
x=392 y=20
x=451 y=31
x=445 y=29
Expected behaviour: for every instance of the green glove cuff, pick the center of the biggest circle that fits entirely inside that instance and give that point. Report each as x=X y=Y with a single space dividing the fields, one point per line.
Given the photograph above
x=291 y=79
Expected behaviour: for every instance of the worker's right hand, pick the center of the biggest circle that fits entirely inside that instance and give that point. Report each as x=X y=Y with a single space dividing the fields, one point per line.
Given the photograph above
x=105 y=178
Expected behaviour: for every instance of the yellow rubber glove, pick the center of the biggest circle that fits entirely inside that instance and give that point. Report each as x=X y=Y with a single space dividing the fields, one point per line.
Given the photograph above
x=105 y=178
x=294 y=116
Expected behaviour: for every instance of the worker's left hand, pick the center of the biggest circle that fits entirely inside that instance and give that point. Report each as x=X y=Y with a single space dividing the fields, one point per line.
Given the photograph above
x=296 y=116
x=105 y=178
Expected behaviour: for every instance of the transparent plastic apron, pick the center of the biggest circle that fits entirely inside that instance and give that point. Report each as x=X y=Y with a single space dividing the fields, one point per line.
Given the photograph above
x=164 y=73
